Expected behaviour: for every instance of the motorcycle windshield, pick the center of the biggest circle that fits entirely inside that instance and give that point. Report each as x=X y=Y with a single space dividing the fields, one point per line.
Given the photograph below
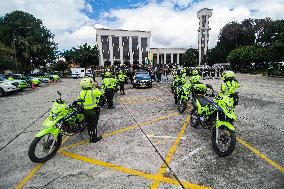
x=57 y=108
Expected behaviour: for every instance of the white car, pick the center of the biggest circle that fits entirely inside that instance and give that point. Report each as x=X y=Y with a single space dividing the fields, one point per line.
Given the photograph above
x=7 y=86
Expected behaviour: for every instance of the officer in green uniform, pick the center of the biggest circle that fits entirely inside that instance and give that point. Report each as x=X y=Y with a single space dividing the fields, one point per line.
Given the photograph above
x=229 y=86
x=230 y=83
x=108 y=84
x=91 y=97
x=121 y=79
x=194 y=78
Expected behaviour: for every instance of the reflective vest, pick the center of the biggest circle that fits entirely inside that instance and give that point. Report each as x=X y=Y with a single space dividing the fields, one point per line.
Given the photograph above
x=194 y=79
x=109 y=83
x=121 y=77
x=229 y=87
x=91 y=98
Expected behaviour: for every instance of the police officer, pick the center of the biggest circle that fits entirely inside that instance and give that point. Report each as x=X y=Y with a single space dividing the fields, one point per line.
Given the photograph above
x=108 y=84
x=194 y=78
x=121 y=79
x=229 y=86
x=230 y=83
x=91 y=97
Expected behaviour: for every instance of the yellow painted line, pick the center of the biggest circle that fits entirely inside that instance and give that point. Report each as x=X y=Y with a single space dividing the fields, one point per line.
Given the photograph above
x=142 y=101
x=34 y=171
x=29 y=176
x=123 y=130
x=261 y=155
x=170 y=154
x=141 y=124
x=129 y=171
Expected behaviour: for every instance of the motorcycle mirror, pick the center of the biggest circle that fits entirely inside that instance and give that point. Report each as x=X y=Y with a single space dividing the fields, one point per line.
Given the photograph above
x=209 y=86
x=59 y=93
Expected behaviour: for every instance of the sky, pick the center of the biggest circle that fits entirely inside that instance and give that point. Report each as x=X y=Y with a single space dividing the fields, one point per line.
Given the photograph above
x=173 y=23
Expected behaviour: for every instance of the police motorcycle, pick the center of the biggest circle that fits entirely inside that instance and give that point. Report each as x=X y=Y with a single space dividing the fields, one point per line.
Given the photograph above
x=216 y=113
x=63 y=119
x=183 y=92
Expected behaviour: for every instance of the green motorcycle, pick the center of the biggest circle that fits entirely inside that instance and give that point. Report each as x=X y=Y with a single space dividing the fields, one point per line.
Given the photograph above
x=63 y=119
x=182 y=97
x=216 y=114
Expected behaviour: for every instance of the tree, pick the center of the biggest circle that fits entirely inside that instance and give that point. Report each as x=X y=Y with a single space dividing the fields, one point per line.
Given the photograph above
x=6 y=58
x=33 y=42
x=189 y=58
x=242 y=57
x=60 y=65
x=84 y=55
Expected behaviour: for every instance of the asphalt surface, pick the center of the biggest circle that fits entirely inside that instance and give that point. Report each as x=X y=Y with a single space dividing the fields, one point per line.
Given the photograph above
x=124 y=158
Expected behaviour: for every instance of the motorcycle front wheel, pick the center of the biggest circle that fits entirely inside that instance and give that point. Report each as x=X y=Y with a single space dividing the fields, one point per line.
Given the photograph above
x=181 y=106
x=223 y=141
x=44 y=148
x=194 y=118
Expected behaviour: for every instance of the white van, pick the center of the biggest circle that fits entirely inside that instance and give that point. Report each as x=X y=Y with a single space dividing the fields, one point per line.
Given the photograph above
x=77 y=72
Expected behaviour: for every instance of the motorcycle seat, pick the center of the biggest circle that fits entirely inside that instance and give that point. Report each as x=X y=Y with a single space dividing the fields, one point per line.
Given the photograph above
x=203 y=101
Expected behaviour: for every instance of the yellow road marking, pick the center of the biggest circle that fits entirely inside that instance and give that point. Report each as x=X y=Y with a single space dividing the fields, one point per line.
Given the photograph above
x=170 y=154
x=143 y=100
x=29 y=176
x=34 y=171
x=130 y=171
x=262 y=156
x=123 y=130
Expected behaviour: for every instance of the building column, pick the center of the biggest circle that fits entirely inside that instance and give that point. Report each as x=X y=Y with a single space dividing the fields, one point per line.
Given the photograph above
x=130 y=51
x=172 y=58
x=140 y=50
x=165 y=58
x=177 y=58
x=120 y=50
x=110 y=48
x=148 y=43
x=99 y=43
x=158 y=58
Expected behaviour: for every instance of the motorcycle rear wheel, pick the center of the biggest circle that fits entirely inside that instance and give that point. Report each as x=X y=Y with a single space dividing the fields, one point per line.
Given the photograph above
x=226 y=136
x=45 y=146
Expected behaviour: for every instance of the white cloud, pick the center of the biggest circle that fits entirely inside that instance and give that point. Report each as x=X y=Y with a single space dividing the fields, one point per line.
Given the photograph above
x=173 y=23
x=172 y=27
x=64 y=18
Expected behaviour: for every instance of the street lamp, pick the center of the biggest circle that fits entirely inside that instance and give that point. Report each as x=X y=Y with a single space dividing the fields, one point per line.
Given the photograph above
x=14 y=44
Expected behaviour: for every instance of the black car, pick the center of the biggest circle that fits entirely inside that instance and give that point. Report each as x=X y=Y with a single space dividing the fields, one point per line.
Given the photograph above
x=142 y=80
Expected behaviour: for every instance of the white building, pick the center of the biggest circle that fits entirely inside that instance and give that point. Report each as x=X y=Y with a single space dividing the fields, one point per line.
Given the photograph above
x=122 y=45
x=203 y=33
x=166 y=55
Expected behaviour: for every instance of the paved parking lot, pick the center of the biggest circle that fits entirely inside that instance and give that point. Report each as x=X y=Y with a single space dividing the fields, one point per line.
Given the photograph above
x=126 y=159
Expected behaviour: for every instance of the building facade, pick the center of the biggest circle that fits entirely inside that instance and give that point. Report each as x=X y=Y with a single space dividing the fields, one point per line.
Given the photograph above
x=203 y=34
x=166 y=55
x=122 y=45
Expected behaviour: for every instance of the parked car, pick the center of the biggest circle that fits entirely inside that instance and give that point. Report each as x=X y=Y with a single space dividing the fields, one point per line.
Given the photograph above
x=7 y=86
x=142 y=79
x=22 y=83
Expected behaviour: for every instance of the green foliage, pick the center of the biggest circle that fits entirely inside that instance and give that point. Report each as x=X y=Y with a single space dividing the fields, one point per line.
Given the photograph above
x=263 y=33
x=60 y=65
x=6 y=58
x=84 y=55
x=33 y=42
x=190 y=57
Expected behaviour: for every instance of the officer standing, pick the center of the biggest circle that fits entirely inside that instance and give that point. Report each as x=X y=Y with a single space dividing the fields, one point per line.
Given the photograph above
x=121 y=79
x=108 y=84
x=91 y=97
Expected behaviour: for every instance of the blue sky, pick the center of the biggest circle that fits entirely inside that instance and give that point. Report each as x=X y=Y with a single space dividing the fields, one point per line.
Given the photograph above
x=100 y=6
